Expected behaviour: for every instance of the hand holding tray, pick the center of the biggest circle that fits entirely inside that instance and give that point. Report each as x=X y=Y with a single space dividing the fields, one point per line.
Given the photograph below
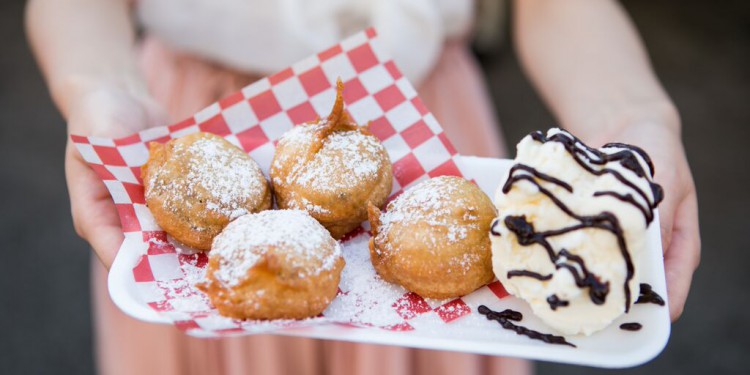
x=152 y=281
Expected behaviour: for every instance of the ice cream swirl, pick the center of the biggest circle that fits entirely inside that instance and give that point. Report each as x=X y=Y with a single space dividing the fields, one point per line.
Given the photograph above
x=571 y=228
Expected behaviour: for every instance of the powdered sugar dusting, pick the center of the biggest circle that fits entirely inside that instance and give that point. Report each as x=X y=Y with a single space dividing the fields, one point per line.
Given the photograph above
x=347 y=158
x=225 y=177
x=432 y=202
x=302 y=203
x=464 y=262
x=243 y=242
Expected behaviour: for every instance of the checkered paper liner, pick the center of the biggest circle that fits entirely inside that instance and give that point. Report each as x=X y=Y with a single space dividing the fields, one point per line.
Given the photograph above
x=153 y=281
x=254 y=119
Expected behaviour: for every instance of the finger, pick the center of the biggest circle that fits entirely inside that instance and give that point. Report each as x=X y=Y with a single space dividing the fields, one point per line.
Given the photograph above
x=673 y=194
x=94 y=214
x=683 y=255
x=666 y=224
x=106 y=241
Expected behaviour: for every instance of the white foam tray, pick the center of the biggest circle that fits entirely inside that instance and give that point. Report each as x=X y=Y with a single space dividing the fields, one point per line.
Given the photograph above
x=611 y=347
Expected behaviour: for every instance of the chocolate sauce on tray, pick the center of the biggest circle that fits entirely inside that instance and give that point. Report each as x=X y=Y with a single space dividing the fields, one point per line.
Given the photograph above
x=505 y=317
x=505 y=314
x=631 y=326
x=648 y=295
x=524 y=230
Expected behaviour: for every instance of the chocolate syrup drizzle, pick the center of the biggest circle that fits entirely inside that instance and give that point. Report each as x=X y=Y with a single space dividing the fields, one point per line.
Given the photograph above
x=528 y=273
x=492 y=228
x=526 y=234
x=505 y=317
x=555 y=302
x=584 y=278
x=631 y=326
x=626 y=158
x=648 y=295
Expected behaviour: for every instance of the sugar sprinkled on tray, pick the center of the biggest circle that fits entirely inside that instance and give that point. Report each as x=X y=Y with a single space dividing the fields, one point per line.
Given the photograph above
x=366 y=298
x=181 y=292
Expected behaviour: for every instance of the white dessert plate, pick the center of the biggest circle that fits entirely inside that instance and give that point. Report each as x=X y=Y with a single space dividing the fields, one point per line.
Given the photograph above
x=469 y=332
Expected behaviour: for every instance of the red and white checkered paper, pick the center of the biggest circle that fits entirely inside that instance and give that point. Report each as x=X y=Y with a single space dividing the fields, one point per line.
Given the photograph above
x=254 y=119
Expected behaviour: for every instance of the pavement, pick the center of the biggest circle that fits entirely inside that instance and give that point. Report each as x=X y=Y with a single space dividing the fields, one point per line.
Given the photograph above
x=700 y=51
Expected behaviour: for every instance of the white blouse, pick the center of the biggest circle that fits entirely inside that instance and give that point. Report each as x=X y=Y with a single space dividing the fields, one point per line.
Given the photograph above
x=264 y=36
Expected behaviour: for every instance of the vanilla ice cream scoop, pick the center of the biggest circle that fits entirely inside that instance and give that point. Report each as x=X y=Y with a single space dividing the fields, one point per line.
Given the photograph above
x=571 y=229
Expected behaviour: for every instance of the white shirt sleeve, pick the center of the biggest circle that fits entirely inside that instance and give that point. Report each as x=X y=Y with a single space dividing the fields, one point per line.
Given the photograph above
x=265 y=36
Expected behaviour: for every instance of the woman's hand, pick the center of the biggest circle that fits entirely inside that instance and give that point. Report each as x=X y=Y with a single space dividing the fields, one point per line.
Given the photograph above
x=86 y=50
x=111 y=112
x=592 y=69
x=678 y=212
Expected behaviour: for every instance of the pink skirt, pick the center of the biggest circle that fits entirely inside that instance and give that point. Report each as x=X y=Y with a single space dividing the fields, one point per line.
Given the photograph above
x=454 y=92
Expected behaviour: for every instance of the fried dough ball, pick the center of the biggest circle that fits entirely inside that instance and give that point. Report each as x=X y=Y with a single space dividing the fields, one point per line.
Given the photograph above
x=433 y=239
x=197 y=184
x=276 y=264
x=331 y=169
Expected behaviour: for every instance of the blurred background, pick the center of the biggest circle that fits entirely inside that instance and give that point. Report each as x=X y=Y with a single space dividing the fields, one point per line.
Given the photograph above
x=700 y=50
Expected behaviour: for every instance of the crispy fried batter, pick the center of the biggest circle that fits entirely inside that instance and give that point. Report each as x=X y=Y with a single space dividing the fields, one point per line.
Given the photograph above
x=331 y=169
x=433 y=239
x=196 y=184
x=278 y=264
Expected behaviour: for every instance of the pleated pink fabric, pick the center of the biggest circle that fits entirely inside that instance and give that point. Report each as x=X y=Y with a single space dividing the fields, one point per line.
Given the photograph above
x=454 y=92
